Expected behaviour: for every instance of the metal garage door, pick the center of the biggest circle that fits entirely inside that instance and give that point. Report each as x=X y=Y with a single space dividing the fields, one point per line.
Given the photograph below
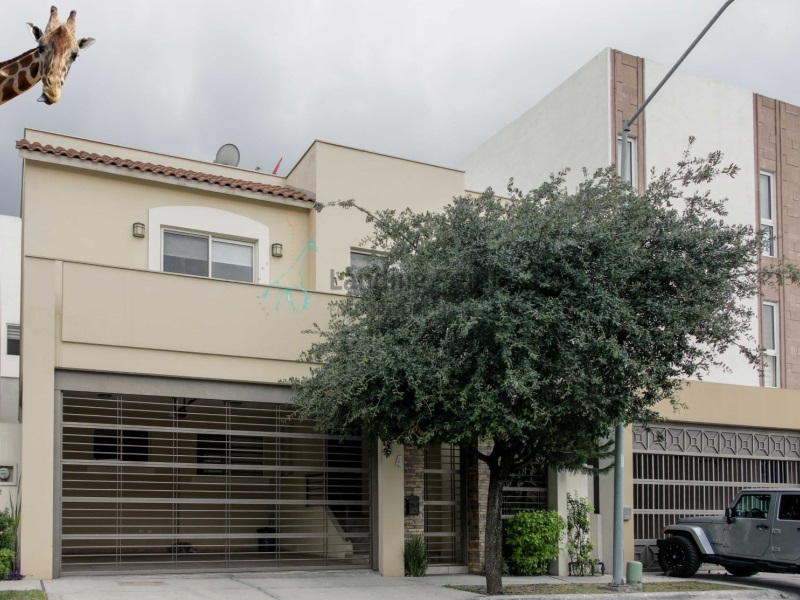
x=693 y=471
x=180 y=484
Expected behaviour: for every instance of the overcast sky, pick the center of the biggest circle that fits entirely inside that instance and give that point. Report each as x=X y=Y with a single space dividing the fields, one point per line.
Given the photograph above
x=422 y=79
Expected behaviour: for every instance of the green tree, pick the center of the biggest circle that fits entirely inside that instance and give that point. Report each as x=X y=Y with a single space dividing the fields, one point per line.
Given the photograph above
x=535 y=322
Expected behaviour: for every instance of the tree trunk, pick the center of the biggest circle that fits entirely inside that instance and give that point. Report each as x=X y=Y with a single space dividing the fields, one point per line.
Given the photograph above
x=494 y=533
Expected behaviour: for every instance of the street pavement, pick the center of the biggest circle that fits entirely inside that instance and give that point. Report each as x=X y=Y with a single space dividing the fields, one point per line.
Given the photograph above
x=360 y=585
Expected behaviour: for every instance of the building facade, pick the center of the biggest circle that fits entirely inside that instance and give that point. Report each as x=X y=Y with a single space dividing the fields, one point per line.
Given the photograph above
x=739 y=426
x=163 y=304
x=10 y=428
x=163 y=307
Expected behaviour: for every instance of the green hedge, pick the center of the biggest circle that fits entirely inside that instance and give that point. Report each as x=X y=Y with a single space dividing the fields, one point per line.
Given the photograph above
x=533 y=540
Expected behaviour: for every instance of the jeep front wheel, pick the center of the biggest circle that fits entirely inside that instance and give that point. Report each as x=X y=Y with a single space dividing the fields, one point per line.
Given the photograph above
x=678 y=557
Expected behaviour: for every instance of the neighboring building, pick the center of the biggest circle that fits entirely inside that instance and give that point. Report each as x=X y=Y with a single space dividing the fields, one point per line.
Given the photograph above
x=10 y=245
x=739 y=427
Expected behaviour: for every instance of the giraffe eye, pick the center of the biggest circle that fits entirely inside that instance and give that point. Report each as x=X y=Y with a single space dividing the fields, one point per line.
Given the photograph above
x=41 y=48
x=74 y=55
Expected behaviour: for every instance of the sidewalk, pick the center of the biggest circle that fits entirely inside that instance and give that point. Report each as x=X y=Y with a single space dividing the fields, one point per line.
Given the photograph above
x=336 y=585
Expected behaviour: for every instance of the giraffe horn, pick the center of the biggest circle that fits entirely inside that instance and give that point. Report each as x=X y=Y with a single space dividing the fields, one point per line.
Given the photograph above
x=71 y=21
x=53 y=22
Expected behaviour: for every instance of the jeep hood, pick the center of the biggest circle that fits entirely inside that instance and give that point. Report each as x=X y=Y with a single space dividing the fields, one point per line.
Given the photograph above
x=700 y=520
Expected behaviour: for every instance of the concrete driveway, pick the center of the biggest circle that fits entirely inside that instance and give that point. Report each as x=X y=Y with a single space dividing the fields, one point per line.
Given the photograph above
x=341 y=585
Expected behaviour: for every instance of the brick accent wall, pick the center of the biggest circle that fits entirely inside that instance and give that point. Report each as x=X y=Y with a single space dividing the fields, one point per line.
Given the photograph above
x=627 y=94
x=778 y=152
x=414 y=463
x=477 y=492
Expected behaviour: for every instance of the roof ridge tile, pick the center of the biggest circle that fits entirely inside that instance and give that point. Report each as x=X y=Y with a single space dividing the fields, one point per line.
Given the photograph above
x=147 y=167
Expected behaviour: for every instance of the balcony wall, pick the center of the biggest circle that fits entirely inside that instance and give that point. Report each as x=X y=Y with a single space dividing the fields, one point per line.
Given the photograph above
x=135 y=321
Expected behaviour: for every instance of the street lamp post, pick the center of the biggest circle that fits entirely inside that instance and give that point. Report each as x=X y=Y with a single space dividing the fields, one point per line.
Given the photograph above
x=619 y=441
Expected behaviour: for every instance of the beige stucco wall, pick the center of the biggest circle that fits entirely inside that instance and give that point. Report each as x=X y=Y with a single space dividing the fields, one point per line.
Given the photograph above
x=735 y=405
x=84 y=215
x=376 y=182
x=40 y=279
x=92 y=301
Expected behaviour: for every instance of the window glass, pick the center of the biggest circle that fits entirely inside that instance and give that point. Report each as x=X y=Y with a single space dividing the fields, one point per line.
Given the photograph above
x=769 y=339
x=232 y=261
x=790 y=508
x=359 y=260
x=768 y=235
x=767 y=207
x=187 y=254
x=752 y=506
x=768 y=326
x=765 y=195
x=632 y=164
x=770 y=371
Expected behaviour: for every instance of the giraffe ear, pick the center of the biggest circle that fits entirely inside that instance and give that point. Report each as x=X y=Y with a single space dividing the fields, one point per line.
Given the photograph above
x=35 y=31
x=84 y=43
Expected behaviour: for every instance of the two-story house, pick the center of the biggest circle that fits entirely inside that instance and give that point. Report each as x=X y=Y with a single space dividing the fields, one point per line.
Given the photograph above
x=163 y=307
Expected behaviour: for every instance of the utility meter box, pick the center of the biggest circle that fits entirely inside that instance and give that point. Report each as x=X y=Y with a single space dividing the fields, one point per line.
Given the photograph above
x=412 y=505
x=8 y=474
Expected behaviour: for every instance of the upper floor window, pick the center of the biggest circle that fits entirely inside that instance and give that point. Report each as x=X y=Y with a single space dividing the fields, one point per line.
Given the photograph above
x=359 y=260
x=207 y=256
x=12 y=339
x=632 y=165
x=769 y=339
x=235 y=248
x=766 y=197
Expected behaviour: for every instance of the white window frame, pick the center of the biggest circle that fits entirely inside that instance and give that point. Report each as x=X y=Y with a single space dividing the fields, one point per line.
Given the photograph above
x=211 y=239
x=769 y=222
x=213 y=221
x=772 y=352
x=634 y=160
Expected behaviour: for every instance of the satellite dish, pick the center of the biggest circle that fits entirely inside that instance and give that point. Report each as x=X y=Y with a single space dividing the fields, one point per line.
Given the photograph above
x=228 y=155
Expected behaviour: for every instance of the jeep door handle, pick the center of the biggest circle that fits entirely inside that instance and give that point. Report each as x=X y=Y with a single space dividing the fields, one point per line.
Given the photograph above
x=762 y=527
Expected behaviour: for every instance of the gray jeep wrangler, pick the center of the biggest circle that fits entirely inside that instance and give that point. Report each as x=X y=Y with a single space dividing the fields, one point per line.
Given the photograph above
x=760 y=531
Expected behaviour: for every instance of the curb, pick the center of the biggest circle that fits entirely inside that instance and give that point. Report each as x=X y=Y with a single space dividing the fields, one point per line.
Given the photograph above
x=751 y=594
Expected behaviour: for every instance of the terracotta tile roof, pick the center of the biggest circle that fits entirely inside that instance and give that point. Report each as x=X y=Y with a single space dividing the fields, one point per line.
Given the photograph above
x=242 y=184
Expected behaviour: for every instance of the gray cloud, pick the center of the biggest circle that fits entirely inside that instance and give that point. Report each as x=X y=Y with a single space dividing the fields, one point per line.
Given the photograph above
x=428 y=80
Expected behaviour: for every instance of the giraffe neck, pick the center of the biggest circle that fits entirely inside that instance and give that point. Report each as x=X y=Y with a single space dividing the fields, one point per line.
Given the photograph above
x=19 y=74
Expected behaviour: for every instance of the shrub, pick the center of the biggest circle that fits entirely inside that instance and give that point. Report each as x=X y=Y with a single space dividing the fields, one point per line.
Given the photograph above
x=533 y=540
x=6 y=563
x=578 y=545
x=9 y=524
x=415 y=556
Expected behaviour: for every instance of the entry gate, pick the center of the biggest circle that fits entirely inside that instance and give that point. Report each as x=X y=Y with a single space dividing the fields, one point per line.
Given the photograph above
x=695 y=471
x=185 y=485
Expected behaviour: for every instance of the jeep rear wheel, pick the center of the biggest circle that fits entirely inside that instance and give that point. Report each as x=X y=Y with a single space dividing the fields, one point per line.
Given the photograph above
x=741 y=571
x=678 y=557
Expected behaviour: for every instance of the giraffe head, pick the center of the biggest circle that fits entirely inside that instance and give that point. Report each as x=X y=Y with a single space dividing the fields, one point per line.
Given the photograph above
x=58 y=49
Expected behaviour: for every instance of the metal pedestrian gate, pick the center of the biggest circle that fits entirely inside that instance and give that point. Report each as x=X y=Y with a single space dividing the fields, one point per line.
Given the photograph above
x=165 y=484
x=685 y=470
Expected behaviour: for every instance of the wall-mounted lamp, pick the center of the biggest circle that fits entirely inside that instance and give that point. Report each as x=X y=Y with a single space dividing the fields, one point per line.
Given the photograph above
x=138 y=230
x=277 y=250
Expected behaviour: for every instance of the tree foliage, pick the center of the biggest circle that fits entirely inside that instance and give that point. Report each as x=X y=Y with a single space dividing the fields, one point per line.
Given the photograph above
x=535 y=322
